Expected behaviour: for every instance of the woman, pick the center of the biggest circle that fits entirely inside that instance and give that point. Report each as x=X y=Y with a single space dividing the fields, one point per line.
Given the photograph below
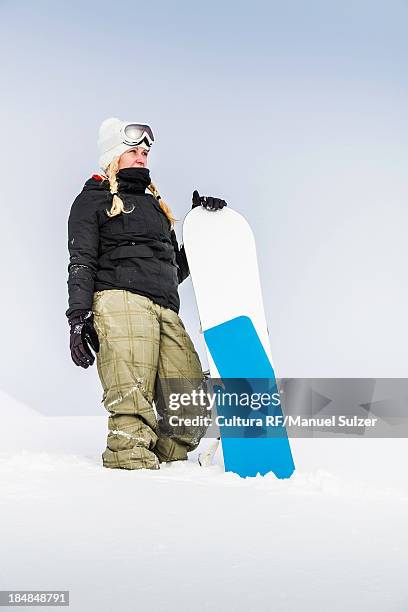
x=125 y=267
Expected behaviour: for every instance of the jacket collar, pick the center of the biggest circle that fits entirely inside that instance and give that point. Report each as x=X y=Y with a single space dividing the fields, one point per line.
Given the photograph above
x=133 y=180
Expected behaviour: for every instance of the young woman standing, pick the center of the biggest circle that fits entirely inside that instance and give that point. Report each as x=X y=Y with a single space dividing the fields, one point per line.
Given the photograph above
x=124 y=270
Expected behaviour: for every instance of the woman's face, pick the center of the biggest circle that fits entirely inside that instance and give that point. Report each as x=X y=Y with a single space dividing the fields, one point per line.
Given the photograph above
x=134 y=158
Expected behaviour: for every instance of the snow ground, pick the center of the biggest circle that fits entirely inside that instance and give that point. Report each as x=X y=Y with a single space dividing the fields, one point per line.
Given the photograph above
x=333 y=537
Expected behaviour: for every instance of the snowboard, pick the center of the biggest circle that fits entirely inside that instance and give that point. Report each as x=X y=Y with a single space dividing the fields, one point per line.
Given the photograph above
x=221 y=253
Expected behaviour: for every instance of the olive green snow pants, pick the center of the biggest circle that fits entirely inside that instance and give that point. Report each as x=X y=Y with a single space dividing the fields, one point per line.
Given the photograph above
x=145 y=354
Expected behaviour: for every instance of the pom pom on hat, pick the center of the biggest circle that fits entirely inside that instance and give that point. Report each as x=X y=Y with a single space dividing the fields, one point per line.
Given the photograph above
x=107 y=123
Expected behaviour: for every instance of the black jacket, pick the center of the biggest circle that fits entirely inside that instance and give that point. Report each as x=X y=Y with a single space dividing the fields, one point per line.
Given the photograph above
x=135 y=250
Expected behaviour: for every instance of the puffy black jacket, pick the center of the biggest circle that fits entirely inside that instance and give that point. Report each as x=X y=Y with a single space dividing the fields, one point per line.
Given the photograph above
x=136 y=250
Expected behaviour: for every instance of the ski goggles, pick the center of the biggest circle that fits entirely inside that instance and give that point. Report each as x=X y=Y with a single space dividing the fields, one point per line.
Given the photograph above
x=134 y=133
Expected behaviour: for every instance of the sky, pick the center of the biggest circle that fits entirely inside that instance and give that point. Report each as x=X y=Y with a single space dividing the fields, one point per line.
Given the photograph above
x=293 y=112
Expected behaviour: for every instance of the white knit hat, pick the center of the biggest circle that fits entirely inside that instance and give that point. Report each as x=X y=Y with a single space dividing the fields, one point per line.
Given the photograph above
x=110 y=141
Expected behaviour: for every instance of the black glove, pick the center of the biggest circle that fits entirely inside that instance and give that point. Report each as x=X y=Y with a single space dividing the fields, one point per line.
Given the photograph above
x=207 y=201
x=82 y=335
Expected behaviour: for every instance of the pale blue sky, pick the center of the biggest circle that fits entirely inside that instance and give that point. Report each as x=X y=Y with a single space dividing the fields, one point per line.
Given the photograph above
x=294 y=112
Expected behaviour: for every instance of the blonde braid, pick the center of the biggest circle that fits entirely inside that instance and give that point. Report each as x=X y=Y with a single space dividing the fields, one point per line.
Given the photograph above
x=163 y=205
x=117 y=204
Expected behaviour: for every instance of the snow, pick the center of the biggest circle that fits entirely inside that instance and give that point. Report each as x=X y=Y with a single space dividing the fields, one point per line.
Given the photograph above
x=333 y=537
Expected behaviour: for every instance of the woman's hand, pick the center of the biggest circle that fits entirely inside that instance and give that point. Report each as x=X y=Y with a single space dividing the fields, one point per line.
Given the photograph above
x=82 y=335
x=208 y=202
